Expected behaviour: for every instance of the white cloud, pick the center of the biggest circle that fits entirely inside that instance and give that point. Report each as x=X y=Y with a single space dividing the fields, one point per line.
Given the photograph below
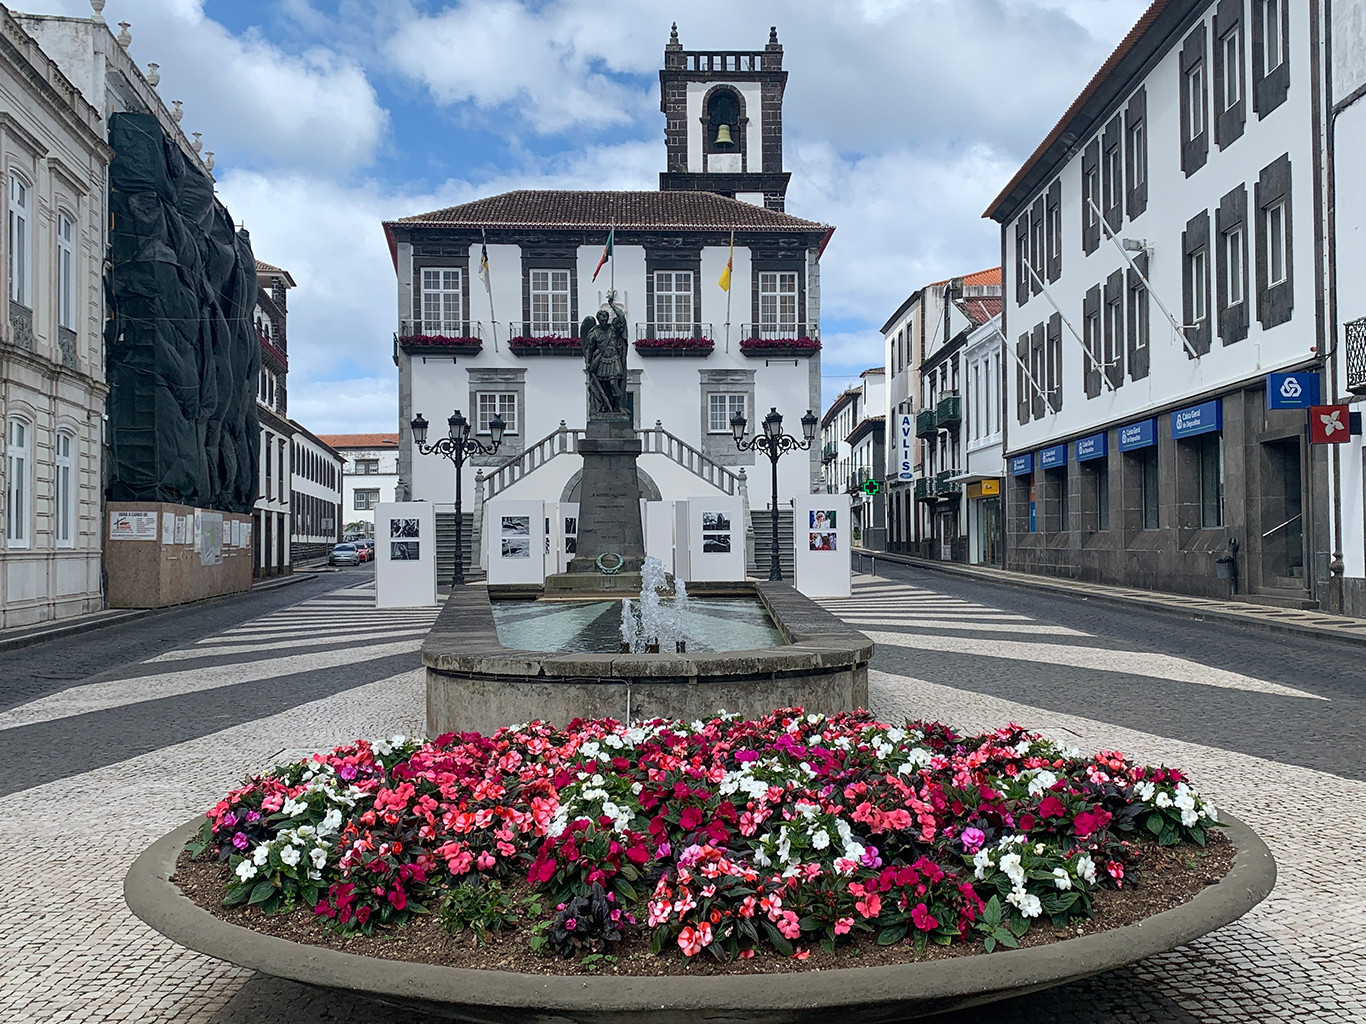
x=250 y=99
x=358 y=405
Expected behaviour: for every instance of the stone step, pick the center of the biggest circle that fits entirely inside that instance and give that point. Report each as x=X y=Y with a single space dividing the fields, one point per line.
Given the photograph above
x=1281 y=597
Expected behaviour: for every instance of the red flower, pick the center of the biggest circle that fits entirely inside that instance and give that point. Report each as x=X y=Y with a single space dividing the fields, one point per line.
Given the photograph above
x=1051 y=807
x=923 y=919
x=398 y=898
x=690 y=818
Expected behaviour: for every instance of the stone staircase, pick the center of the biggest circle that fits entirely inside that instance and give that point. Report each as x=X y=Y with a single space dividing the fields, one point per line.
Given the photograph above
x=761 y=542
x=445 y=548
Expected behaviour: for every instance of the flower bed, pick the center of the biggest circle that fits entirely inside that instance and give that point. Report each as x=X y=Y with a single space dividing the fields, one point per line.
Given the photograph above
x=546 y=345
x=696 y=347
x=774 y=347
x=730 y=838
x=444 y=343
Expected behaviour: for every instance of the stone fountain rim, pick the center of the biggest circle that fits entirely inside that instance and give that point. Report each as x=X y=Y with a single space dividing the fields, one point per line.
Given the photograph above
x=931 y=985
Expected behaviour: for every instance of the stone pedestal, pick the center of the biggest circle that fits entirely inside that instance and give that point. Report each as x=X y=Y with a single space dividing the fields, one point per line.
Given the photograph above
x=609 y=502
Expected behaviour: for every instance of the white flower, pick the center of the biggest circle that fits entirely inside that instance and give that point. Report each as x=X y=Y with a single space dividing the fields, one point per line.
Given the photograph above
x=1061 y=878
x=246 y=871
x=1010 y=864
x=1144 y=791
x=293 y=808
x=331 y=821
x=1086 y=869
x=1208 y=808
x=1027 y=902
x=1038 y=849
x=1189 y=818
x=896 y=735
x=260 y=855
x=1163 y=800
x=820 y=839
x=981 y=862
x=289 y=856
x=319 y=857
x=1042 y=781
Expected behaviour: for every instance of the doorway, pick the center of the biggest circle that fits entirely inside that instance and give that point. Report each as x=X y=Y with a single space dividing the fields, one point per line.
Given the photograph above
x=989 y=531
x=1282 y=515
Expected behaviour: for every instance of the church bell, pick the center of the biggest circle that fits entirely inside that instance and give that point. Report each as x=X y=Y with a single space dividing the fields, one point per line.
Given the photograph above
x=723 y=135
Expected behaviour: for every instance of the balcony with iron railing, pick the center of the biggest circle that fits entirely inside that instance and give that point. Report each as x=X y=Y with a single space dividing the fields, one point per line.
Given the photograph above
x=1355 y=331
x=949 y=411
x=924 y=489
x=926 y=423
x=830 y=451
x=779 y=339
x=675 y=339
x=945 y=486
x=449 y=337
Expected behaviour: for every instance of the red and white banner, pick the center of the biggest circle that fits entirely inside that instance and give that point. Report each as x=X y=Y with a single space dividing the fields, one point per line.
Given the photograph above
x=1329 y=424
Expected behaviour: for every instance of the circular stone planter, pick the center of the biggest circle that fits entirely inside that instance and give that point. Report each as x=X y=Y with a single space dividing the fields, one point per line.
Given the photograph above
x=850 y=994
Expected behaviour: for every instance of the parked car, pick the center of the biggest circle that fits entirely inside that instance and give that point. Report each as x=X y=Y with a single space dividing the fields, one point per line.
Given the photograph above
x=344 y=554
x=366 y=547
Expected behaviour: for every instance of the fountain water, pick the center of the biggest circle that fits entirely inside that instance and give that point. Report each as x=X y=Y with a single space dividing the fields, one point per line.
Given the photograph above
x=658 y=628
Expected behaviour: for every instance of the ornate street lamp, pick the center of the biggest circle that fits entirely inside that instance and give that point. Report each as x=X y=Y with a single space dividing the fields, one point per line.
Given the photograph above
x=774 y=443
x=457 y=446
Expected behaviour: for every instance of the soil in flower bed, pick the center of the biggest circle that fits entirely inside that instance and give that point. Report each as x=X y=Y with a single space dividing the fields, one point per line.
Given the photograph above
x=1169 y=876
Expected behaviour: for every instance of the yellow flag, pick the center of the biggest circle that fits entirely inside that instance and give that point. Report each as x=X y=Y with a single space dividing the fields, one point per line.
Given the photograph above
x=724 y=280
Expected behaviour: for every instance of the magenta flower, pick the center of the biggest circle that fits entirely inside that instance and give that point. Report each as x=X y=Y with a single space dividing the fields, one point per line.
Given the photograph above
x=973 y=838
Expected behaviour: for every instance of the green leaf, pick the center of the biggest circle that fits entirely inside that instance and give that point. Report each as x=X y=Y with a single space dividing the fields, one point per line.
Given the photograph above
x=1019 y=925
x=1005 y=938
x=776 y=937
x=263 y=891
x=828 y=943
x=627 y=891
x=992 y=914
x=808 y=924
x=1198 y=834
x=1155 y=823
x=989 y=942
x=895 y=933
x=236 y=894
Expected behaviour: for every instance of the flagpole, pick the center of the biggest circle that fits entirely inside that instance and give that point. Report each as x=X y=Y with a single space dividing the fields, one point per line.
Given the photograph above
x=612 y=270
x=730 y=285
x=488 y=284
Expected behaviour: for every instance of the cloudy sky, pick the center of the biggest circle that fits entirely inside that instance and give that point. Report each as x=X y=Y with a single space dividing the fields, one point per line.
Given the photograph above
x=903 y=118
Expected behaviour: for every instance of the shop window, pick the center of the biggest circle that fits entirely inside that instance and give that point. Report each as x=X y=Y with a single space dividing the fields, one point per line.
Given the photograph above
x=1210 y=448
x=1147 y=458
x=1095 y=479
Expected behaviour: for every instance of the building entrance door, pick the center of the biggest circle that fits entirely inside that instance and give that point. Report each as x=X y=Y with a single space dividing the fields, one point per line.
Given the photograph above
x=989 y=531
x=1282 y=515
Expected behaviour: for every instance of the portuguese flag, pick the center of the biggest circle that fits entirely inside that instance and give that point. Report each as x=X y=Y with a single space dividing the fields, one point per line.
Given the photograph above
x=606 y=252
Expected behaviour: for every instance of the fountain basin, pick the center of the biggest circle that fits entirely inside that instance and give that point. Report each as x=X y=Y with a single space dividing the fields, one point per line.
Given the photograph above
x=474 y=683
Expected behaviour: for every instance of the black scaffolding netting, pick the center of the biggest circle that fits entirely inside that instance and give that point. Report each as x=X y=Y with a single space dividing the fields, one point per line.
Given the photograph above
x=183 y=356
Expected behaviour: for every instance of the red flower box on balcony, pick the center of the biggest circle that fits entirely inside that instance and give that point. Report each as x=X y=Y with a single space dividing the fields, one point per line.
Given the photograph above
x=696 y=348
x=546 y=345
x=785 y=348
x=443 y=343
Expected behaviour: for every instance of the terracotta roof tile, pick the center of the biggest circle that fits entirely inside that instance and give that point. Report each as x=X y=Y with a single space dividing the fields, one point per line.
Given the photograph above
x=268 y=270
x=980 y=310
x=341 y=441
x=601 y=210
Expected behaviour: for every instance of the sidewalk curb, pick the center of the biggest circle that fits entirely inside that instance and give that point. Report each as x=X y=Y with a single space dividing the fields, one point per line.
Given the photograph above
x=116 y=616
x=1261 y=620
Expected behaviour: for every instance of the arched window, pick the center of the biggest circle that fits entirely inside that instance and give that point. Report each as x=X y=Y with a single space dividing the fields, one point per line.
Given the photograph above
x=66 y=490
x=20 y=285
x=18 y=494
x=723 y=121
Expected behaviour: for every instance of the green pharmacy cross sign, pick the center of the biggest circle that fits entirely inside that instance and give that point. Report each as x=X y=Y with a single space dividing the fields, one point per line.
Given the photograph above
x=871 y=487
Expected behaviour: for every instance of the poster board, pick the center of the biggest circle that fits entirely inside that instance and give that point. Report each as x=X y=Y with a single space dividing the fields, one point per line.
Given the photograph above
x=820 y=534
x=714 y=531
x=564 y=539
x=516 y=541
x=658 y=520
x=405 y=554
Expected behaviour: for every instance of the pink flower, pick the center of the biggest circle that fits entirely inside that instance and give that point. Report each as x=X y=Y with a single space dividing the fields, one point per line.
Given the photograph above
x=923 y=919
x=485 y=861
x=973 y=838
x=1051 y=807
x=688 y=941
x=869 y=906
x=1116 y=871
x=801 y=954
x=843 y=924
x=570 y=923
x=788 y=925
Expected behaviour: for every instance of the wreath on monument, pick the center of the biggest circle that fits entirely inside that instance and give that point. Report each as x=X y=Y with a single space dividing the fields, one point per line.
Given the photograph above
x=614 y=569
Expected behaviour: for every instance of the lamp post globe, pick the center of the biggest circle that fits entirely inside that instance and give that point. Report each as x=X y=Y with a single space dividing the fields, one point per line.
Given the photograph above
x=738 y=426
x=809 y=425
x=419 y=426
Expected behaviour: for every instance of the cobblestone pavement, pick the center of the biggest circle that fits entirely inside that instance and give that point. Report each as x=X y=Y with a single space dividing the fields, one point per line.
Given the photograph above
x=70 y=950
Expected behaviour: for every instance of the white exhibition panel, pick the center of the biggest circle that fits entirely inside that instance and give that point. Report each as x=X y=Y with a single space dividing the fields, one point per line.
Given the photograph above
x=405 y=554
x=658 y=517
x=564 y=536
x=820 y=534
x=715 y=539
x=516 y=534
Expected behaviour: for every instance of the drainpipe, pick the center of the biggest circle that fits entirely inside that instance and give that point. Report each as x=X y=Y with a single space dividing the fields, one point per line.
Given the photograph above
x=1336 y=567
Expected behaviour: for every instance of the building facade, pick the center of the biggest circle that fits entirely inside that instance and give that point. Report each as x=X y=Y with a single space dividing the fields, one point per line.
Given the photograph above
x=271 y=530
x=983 y=439
x=53 y=165
x=315 y=514
x=369 y=476
x=853 y=439
x=1162 y=249
x=722 y=298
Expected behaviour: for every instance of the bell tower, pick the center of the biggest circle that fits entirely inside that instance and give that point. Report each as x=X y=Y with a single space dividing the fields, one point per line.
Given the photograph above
x=723 y=112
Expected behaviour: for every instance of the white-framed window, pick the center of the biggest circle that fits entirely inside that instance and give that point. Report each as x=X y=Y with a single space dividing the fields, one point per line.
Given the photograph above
x=20 y=285
x=65 y=490
x=1199 y=273
x=17 y=491
x=1114 y=177
x=1091 y=334
x=66 y=274
x=1233 y=265
x=1090 y=190
x=367 y=467
x=1195 y=97
x=1276 y=261
x=442 y=305
x=1273 y=42
x=673 y=303
x=777 y=304
x=1138 y=148
x=502 y=403
x=1233 y=69
x=549 y=302
x=720 y=408
x=365 y=498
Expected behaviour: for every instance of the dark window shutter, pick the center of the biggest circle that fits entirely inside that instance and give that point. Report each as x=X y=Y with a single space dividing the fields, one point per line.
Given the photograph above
x=1036 y=367
x=1194 y=150
x=1114 y=338
x=1269 y=89
x=1193 y=239
x=1139 y=303
x=1023 y=387
x=1090 y=308
x=1229 y=121
x=1090 y=166
x=1112 y=192
x=1038 y=245
x=1054 y=221
x=1136 y=164
x=1232 y=213
x=1054 y=359
x=1021 y=254
x=1274 y=304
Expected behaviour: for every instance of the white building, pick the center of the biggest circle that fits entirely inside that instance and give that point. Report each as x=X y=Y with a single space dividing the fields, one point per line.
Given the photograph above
x=52 y=379
x=316 y=513
x=699 y=352
x=369 y=476
x=271 y=531
x=852 y=440
x=1184 y=180
x=983 y=423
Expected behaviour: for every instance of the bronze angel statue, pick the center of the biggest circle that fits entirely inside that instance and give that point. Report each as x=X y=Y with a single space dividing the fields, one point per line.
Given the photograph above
x=604 y=354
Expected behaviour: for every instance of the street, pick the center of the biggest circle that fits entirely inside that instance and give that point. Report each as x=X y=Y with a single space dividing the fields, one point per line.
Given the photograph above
x=113 y=737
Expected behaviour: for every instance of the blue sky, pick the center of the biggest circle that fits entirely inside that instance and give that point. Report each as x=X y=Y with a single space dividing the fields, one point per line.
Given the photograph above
x=903 y=118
